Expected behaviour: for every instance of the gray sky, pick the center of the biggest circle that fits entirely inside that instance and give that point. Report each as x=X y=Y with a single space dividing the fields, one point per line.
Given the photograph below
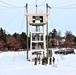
x=62 y=15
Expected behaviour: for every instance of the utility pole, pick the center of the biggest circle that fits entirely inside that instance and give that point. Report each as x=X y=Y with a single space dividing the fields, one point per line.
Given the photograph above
x=36 y=13
x=47 y=27
x=47 y=6
x=36 y=6
x=27 y=27
x=37 y=27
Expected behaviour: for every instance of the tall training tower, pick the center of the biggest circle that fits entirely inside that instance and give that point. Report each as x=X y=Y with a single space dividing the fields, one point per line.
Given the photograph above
x=37 y=25
x=37 y=42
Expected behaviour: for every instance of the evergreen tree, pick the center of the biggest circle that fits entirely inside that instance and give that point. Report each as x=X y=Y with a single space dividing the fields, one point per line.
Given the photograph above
x=2 y=35
x=23 y=40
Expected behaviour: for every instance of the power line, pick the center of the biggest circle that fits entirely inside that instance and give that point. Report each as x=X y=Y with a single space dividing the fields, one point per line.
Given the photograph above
x=13 y=19
x=23 y=19
x=10 y=4
x=42 y=3
x=7 y=7
x=38 y=5
x=66 y=5
x=52 y=23
x=63 y=7
x=4 y=8
x=71 y=6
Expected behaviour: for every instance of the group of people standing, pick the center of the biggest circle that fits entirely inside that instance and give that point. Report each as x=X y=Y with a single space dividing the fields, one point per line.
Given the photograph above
x=44 y=60
x=52 y=60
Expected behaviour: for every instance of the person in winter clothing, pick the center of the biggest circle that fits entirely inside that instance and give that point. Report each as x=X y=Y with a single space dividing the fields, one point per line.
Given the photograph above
x=35 y=61
x=53 y=60
x=50 y=61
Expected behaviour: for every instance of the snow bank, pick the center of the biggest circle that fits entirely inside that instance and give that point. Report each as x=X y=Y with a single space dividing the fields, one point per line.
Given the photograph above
x=15 y=63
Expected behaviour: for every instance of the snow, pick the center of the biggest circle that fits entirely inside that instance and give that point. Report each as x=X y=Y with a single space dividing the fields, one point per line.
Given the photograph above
x=15 y=63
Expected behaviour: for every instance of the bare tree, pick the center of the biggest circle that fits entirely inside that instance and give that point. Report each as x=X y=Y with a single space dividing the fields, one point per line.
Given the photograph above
x=2 y=44
x=13 y=43
x=68 y=39
x=55 y=38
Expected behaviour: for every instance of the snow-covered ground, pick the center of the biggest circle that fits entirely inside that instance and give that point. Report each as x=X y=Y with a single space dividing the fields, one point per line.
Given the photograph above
x=15 y=63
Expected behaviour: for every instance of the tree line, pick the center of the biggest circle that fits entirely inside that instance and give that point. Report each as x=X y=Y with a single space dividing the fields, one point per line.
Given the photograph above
x=56 y=40
x=12 y=42
x=18 y=41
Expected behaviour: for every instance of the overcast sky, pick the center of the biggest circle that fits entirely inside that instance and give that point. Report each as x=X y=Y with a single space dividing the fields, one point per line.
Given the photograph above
x=62 y=15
